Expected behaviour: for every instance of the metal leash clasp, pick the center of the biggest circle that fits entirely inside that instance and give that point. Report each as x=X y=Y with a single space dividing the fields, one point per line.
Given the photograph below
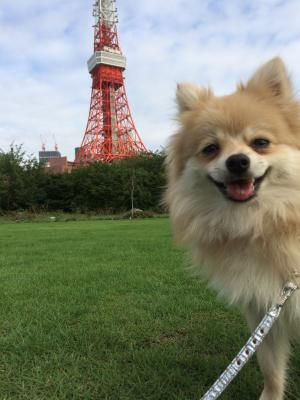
x=288 y=289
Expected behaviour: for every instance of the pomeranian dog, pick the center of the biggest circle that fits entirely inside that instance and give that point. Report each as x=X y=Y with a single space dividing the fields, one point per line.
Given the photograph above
x=234 y=199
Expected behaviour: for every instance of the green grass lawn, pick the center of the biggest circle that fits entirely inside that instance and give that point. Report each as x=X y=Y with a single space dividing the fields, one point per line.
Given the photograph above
x=106 y=310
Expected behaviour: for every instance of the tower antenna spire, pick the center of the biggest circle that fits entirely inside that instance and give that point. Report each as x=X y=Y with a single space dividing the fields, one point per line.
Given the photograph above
x=105 y=11
x=110 y=133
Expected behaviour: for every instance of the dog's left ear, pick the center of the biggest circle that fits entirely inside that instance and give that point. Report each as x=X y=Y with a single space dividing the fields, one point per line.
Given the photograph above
x=271 y=79
x=190 y=96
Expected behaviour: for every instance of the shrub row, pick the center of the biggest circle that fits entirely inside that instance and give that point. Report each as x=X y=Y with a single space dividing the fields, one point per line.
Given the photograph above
x=115 y=187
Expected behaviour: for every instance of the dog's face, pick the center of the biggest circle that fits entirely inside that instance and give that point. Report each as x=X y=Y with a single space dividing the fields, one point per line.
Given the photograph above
x=233 y=150
x=236 y=150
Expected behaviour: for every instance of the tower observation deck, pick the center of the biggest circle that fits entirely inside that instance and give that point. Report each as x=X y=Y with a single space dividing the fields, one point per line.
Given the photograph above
x=110 y=133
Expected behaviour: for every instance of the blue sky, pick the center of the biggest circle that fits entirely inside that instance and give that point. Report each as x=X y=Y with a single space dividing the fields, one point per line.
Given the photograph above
x=44 y=46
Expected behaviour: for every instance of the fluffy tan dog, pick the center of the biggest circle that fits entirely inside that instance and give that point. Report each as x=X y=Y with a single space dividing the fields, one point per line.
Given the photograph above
x=234 y=199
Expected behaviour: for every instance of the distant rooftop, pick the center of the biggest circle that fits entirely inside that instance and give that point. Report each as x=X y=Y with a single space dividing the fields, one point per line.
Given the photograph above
x=45 y=156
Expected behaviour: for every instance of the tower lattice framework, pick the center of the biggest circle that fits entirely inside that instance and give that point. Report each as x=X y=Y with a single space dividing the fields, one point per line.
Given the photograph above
x=110 y=133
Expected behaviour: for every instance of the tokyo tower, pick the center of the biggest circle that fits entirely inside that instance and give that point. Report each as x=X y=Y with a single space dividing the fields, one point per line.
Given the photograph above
x=110 y=133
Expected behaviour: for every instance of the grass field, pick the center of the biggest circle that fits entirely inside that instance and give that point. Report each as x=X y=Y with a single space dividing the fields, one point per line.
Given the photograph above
x=105 y=310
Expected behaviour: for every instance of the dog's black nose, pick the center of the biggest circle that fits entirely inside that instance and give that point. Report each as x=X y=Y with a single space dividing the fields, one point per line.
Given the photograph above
x=238 y=163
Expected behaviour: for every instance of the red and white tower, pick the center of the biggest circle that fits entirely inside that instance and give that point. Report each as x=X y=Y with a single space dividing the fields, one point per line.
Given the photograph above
x=110 y=133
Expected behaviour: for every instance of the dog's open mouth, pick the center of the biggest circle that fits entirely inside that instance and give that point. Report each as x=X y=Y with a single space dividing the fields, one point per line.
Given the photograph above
x=241 y=189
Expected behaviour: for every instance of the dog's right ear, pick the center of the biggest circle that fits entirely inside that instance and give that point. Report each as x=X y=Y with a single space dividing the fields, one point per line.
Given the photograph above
x=190 y=96
x=272 y=80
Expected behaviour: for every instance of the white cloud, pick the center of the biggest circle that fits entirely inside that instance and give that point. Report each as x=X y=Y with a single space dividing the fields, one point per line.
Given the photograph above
x=45 y=86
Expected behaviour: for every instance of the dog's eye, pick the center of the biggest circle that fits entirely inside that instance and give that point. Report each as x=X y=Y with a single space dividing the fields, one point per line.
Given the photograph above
x=211 y=149
x=260 y=143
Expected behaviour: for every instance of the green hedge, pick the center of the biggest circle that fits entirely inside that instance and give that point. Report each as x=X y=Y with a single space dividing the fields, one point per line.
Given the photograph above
x=25 y=185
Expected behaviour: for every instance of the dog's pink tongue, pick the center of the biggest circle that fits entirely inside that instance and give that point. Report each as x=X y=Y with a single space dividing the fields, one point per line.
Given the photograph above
x=241 y=190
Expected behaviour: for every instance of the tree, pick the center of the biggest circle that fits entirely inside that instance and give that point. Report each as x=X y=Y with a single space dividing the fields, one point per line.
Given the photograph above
x=133 y=182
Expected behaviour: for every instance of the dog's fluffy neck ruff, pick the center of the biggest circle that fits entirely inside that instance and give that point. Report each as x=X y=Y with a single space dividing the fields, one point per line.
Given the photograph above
x=240 y=246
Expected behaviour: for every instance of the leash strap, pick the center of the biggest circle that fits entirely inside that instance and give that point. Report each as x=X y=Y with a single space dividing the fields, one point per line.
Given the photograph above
x=251 y=346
